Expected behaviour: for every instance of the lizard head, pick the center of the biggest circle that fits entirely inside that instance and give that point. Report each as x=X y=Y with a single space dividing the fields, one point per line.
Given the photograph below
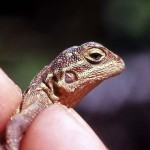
x=79 y=69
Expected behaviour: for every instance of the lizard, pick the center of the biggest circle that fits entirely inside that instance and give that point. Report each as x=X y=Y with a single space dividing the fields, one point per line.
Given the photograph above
x=66 y=80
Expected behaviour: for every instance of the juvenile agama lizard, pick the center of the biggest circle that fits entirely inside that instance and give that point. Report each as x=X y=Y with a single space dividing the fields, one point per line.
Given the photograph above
x=66 y=80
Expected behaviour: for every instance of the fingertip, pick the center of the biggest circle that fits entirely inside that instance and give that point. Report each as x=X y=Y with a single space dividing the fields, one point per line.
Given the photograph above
x=10 y=98
x=60 y=128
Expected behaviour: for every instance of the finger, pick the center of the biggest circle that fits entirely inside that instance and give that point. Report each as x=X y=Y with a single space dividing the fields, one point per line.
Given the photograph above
x=60 y=128
x=10 y=97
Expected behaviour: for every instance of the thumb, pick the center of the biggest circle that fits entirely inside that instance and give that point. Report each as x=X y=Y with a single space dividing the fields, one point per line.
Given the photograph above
x=60 y=128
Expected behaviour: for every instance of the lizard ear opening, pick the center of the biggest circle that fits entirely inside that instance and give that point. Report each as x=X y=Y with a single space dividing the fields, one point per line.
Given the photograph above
x=70 y=77
x=94 y=55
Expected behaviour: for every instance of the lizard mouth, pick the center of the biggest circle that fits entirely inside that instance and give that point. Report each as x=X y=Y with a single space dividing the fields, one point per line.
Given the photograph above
x=122 y=66
x=118 y=67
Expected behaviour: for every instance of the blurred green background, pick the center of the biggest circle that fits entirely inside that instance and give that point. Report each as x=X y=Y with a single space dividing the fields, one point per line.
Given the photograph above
x=33 y=33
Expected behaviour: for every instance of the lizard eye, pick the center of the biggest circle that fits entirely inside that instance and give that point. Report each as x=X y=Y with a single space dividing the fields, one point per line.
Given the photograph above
x=94 y=55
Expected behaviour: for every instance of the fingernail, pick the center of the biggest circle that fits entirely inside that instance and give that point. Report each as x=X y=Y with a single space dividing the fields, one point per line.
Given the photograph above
x=78 y=118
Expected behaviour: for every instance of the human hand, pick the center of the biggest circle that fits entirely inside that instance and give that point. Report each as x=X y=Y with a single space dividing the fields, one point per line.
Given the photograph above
x=56 y=128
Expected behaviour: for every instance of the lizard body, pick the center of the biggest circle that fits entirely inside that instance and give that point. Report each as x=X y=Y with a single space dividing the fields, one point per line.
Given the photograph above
x=66 y=80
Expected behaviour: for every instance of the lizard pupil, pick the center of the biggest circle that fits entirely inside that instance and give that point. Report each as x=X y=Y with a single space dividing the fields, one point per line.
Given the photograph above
x=95 y=56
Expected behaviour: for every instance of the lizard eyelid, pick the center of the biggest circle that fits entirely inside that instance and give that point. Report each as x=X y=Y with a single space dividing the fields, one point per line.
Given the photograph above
x=94 y=55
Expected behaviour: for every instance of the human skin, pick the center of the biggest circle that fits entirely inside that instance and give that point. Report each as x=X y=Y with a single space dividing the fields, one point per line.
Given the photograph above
x=56 y=128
